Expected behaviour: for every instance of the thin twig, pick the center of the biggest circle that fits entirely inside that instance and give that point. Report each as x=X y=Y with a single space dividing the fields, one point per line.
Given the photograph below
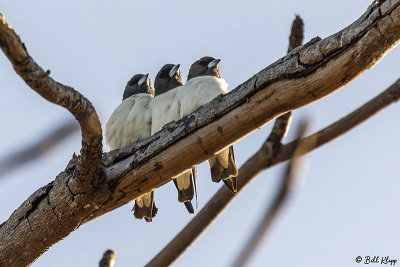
x=284 y=193
x=108 y=259
x=38 y=149
x=260 y=161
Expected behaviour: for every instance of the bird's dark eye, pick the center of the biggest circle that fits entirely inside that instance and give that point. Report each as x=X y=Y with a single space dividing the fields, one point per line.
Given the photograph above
x=163 y=74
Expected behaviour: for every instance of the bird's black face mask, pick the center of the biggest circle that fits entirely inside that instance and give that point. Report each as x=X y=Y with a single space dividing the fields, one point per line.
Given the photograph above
x=138 y=84
x=205 y=66
x=168 y=78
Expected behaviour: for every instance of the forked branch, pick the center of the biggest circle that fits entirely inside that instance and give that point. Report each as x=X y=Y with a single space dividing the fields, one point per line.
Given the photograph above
x=305 y=75
x=264 y=159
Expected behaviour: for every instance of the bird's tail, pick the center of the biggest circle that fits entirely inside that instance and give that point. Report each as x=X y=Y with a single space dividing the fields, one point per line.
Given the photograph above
x=186 y=184
x=145 y=207
x=223 y=167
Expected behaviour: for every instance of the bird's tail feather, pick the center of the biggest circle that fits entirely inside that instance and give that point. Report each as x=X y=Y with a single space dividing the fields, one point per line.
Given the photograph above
x=223 y=167
x=186 y=184
x=194 y=176
x=231 y=183
x=189 y=206
x=145 y=207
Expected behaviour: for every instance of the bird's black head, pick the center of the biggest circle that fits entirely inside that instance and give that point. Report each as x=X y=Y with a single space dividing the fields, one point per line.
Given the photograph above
x=139 y=83
x=205 y=66
x=169 y=77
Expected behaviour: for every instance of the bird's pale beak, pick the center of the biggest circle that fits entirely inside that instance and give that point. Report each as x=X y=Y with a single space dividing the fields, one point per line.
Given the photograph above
x=213 y=63
x=145 y=78
x=174 y=70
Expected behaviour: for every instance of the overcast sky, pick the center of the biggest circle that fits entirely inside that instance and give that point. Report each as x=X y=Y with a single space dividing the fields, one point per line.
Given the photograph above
x=346 y=205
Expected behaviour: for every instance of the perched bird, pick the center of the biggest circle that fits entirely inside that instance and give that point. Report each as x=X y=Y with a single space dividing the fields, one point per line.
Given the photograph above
x=203 y=84
x=129 y=123
x=165 y=108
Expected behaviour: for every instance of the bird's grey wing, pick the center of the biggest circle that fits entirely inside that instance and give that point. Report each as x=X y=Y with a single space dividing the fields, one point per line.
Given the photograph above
x=115 y=125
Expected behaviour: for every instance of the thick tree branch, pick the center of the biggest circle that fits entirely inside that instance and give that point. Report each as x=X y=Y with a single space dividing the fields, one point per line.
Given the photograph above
x=283 y=194
x=306 y=74
x=37 y=149
x=264 y=159
x=59 y=94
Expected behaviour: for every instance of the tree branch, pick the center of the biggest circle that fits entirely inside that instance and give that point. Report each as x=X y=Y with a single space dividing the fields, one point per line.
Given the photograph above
x=59 y=94
x=282 y=123
x=264 y=159
x=306 y=74
x=36 y=150
x=284 y=193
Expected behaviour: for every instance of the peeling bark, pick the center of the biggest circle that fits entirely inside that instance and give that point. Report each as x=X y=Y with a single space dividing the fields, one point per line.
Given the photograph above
x=303 y=76
x=263 y=159
x=306 y=74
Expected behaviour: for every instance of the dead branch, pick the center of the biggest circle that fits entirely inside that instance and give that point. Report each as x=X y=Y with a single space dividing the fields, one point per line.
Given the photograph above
x=284 y=193
x=262 y=160
x=274 y=141
x=57 y=93
x=38 y=149
x=282 y=123
x=306 y=74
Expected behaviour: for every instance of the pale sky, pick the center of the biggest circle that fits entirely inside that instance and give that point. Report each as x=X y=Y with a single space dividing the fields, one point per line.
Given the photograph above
x=346 y=205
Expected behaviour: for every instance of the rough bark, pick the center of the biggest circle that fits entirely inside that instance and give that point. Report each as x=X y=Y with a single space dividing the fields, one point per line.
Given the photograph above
x=57 y=93
x=282 y=123
x=263 y=159
x=55 y=210
x=306 y=74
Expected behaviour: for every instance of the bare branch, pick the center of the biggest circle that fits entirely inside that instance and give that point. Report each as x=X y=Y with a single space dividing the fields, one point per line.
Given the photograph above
x=389 y=96
x=262 y=160
x=108 y=259
x=282 y=123
x=296 y=33
x=280 y=200
x=38 y=149
x=306 y=74
x=59 y=94
x=274 y=141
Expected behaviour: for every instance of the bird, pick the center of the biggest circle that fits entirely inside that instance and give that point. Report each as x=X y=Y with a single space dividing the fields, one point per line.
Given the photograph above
x=203 y=84
x=165 y=108
x=129 y=123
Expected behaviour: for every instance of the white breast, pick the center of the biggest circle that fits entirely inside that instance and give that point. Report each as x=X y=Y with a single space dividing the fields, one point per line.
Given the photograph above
x=130 y=122
x=199 y=91
x=165 y=108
